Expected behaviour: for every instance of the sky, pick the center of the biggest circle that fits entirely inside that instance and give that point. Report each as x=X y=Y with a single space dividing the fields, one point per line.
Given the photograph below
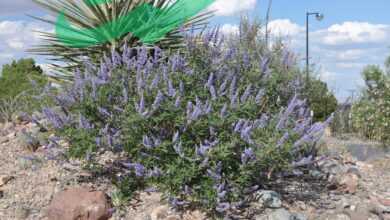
x=353 y=34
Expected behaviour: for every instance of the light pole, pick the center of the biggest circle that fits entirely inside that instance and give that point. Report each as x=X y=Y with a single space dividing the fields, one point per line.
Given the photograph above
x=319 y=17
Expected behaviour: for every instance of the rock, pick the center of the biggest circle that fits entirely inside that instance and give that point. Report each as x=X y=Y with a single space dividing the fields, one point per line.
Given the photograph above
x=160 y=213
x=4 y=179
x=280 y=214
x=79 y=204
x=316 y=174
x=269 y=199
x=4 y=140
x=22 y=212
x=340 y=216
x=5 y=128
x=28 y=140
x=385 y=202
x=21 y=117
x=299 y=216
x=348 y=183
x=354 y=170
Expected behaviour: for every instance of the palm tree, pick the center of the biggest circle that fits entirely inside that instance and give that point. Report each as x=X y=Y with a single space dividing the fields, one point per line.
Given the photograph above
x=91 y=28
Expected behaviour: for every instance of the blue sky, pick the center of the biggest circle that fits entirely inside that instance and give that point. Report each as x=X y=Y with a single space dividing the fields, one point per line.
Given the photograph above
x=353 y=34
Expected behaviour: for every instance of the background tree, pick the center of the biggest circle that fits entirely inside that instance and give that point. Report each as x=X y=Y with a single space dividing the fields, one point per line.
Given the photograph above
x=17 y=77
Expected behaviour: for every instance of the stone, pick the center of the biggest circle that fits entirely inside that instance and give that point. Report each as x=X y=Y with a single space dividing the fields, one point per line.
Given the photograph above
x=4 y=140
x=22 y=212
x=316 y=174
x=79 y=204
x=160 y=213
x=28 y=141
x=4 y=179
x=298 y=216
x=385 y=202
x=269 y=199
x=280 y=214
x=348 y=183
x=354 y=170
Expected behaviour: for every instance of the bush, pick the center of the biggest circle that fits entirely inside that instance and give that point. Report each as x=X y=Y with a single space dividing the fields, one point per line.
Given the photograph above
x=20 y=81
x=320 y=99
x=371 y=113
x=196 y=124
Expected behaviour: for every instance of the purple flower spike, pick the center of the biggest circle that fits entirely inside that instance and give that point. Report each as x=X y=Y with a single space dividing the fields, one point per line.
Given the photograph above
x=247 y=155
x=222 y=207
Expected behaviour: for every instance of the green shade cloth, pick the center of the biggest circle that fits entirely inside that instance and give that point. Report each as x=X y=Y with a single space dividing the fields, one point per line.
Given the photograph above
x=146 y=22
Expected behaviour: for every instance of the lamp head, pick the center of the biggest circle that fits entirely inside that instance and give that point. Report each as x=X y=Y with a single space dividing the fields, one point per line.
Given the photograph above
x=319 y=16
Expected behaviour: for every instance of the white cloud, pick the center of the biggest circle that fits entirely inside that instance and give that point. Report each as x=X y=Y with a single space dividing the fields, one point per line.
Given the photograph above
x=17 y=37
x=284 y=27
x=355 y=32
x=230 y=29
x=231 y=7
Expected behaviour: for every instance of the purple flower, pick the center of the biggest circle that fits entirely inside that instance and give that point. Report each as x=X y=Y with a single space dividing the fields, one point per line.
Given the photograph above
x=155 y=81
x=247 y=155
x=176 y=203
x=55 y=119
x=213 y=92
x=264 y=65
x=171 y=90
x=238 y=125
x=283 y=139
x=223 y=111
x=181 y=87
x=116 y=58
x=157 y=101
x=104 y=112
x=175 y=137
x=178 y=149
x=290 y=108
x=178 y=102
x=222 y=87
x=156 y=172
x=140 y=108
x=259 y=96
x=84 y=123
x=222 y=207
x=210 y=81
x=246 y=94
x=139 y=170
x=147 y=142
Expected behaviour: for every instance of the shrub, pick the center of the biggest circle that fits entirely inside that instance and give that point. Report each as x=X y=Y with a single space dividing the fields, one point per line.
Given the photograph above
x=20 y=81
x=199 y=130
x=371 y=113
x=320 y=99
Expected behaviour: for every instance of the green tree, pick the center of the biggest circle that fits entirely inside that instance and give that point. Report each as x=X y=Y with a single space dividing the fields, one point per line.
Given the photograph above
x=320 y=99
x=371 y=113
x=18 y=76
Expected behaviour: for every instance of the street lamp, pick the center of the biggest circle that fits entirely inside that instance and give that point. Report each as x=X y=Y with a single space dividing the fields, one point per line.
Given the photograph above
x=319 y=17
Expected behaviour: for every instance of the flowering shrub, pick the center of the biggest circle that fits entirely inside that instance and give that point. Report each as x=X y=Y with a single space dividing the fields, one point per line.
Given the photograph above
x=198 y=130
x=371 y=113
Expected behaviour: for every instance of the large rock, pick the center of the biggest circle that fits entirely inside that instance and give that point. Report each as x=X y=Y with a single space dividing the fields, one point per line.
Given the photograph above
x=79 y=204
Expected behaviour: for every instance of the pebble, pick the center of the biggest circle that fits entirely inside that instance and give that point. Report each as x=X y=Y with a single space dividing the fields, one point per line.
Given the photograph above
x=269 y=199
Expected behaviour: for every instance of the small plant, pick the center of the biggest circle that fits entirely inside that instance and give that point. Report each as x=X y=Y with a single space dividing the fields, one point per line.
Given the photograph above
x=199 y=130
